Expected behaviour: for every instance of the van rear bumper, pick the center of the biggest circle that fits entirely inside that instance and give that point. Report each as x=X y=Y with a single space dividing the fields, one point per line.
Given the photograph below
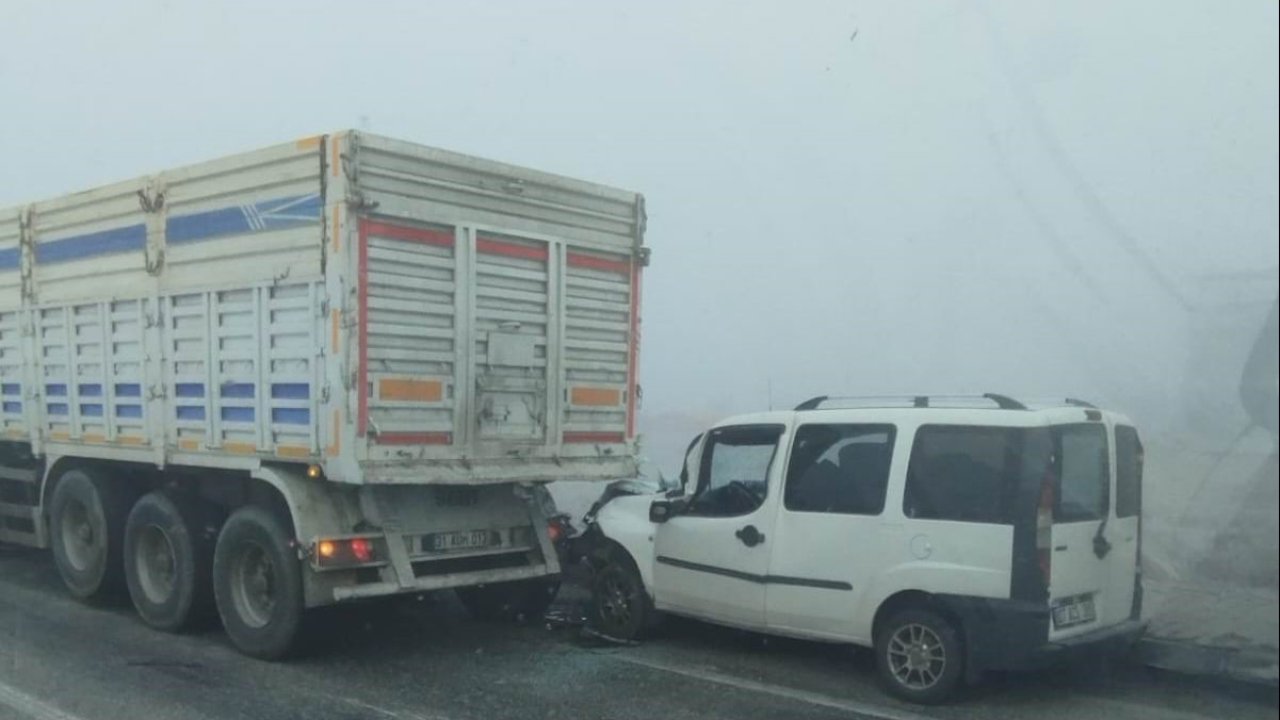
x=1011 y=634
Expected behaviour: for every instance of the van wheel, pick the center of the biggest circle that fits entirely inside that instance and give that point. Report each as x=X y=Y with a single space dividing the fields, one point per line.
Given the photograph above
x=919 y=656
x=167 y=562
x=87 y=518
x=257 y=584
x=524 y=600
x=620 y=605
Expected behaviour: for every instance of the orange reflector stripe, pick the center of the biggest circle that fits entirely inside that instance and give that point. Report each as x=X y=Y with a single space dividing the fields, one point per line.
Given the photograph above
x=333 y=335
x=337 y=226
x=131 y=440
x=439 y=438
x=293 y=451
x=189 y=444
x=595 y=396
x=410 y=390
x=593 y=437
x=335 y=448
x=240 y=447
x=93 y=438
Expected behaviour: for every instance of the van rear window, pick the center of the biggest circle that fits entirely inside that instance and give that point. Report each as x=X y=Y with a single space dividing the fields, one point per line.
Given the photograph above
x=1083 y=472
x=968 y=473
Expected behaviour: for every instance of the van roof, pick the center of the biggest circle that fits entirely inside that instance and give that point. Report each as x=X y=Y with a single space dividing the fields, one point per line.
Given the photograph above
x=1032 y=415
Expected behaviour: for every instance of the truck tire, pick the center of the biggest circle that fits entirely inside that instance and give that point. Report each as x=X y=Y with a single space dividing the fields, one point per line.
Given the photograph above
x=919 y=656
x=87 y=516
x=257 y=584
x=620 y=605
x=168 y=562
x=526 y=600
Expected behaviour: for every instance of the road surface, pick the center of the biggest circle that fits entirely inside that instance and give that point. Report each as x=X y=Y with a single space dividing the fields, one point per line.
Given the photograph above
x=423 y=658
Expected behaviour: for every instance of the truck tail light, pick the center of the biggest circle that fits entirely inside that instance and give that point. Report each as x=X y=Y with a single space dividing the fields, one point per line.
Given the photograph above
x=362 y=550
x=347 y=552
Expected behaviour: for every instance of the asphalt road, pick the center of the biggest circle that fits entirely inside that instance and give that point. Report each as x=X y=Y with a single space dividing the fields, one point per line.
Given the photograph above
x=423 y=658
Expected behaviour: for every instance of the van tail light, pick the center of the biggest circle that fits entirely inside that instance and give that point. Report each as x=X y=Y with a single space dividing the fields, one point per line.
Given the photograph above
x=1044 y=525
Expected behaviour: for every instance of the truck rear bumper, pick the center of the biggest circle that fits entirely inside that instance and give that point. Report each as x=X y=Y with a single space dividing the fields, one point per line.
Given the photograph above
x=439 y=582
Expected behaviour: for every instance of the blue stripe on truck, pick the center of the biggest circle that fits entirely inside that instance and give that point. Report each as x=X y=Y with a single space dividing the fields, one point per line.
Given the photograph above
x=274 y=214
x=104 y=242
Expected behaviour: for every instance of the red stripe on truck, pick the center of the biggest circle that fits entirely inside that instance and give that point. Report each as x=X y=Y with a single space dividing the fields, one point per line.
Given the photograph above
x=591 y=262
x=633 y=355
x=411 y=234
x=362 y=279
x=498 y=247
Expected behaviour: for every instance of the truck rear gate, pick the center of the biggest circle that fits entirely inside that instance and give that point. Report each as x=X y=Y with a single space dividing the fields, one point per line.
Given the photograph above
x=343 y=311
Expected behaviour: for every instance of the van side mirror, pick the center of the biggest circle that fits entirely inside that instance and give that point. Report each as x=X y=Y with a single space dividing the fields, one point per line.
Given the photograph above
x=662 y=510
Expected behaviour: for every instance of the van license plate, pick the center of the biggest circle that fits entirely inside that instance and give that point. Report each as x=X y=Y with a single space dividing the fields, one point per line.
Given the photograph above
x=1072 y=611
x=468 y=540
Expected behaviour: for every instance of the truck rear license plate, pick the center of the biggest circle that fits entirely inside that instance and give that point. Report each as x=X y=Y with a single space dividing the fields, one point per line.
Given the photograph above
x=467 y=540
x=1072 y=611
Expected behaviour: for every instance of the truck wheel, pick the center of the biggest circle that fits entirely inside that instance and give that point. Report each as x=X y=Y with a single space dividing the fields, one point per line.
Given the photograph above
x=525 y=599
x=87 y=517
x=167 y=561
x=257 y=584
x=919 y=656
x=620 y=605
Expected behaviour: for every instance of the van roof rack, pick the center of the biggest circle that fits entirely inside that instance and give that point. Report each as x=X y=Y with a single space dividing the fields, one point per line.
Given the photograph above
x=1002 y=402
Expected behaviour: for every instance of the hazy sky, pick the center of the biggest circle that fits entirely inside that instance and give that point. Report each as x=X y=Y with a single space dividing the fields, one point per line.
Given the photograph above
x=843 y=196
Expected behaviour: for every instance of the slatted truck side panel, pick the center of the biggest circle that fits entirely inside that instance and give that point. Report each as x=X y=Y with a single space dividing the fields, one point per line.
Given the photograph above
x=350 y=358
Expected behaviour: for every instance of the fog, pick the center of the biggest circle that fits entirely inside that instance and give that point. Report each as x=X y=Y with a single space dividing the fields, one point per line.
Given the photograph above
x=1072 y=199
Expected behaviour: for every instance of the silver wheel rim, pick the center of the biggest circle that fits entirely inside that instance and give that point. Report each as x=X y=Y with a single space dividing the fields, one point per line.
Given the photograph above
x=616 y=600
x=917 y=658
x=253 y=585
x=80 y=539
x=156 y=563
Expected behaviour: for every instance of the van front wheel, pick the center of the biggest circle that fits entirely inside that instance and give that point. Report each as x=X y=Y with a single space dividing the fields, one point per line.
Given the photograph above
x=919 y=656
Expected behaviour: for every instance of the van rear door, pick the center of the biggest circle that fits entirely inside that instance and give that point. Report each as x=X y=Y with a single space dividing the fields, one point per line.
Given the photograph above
x=1125 y=533
x=1079 y=568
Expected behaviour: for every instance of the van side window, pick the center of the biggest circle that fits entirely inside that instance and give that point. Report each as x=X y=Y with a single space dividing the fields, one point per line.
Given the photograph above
x=1084 y=473
x=733 y=477
x=1128 y=472
x=839 y=469
x=964 y=473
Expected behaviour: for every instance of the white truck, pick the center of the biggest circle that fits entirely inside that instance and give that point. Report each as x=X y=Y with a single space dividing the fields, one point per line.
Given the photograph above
x=337 y=368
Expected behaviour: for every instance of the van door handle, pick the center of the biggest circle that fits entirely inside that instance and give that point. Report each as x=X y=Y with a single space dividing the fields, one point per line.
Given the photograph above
x=750 y=536
x=1060 y=548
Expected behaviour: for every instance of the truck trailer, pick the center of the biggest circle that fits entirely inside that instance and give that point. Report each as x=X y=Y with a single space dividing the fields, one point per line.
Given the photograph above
x=338 y=368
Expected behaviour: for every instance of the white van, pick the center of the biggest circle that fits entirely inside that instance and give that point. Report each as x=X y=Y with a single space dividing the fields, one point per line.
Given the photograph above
x=951 y=535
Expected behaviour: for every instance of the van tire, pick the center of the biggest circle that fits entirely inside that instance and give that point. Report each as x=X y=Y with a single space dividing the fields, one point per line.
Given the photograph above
x=919 y=656
x=257 y=584
x=87 y=516
x=620 y=604
x=523 y=600
x=168 y=563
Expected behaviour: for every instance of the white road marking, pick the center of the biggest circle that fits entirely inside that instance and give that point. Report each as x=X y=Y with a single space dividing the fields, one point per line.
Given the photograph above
x=877 y=711
x=29 y=706
x=388 y=713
